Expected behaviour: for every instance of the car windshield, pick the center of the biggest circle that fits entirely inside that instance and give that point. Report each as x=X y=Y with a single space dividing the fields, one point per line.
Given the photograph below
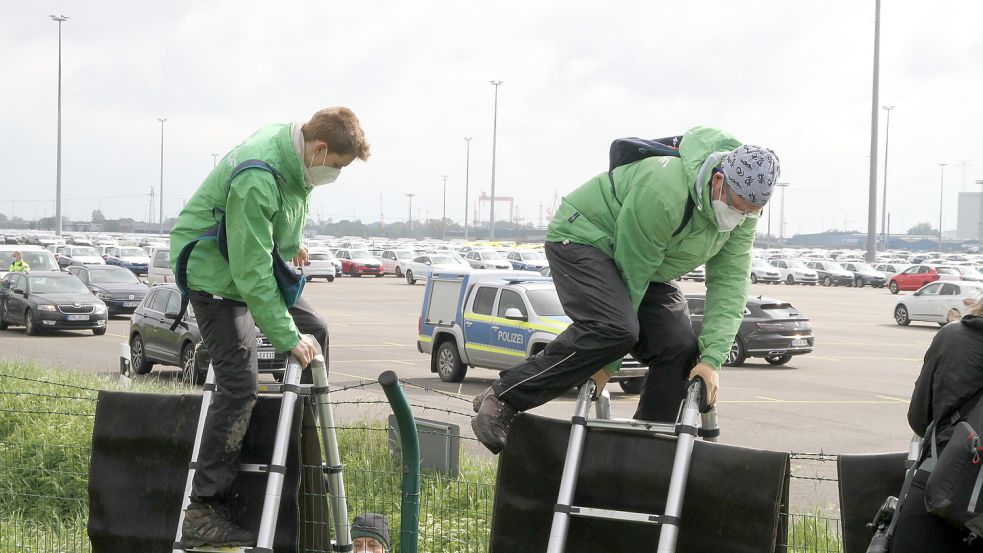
x=90 y=252
x=57 y=285
x=441 y=260
x=795 y=264
x=405 y=254
x=492 y=255
x=360 y=253
x=132 y=252
x=759 y=263
x=863 y=267
x=111 y=276
x=946 y=271
x=545 y=302
x=533 y=256
x=37 y=261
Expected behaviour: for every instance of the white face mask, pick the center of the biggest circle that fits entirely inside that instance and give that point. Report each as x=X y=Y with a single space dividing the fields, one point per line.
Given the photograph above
x=320 y=174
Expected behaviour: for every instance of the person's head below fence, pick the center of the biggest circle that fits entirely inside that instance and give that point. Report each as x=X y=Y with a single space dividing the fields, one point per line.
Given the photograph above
x=370 y=533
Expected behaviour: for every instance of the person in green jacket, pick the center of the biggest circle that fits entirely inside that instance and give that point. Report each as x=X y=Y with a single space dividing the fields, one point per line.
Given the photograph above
x=19 y=264
x=615 y=245
x=231 y=298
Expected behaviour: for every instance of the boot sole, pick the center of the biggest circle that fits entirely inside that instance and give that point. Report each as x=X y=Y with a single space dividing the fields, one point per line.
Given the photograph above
x=493 y=447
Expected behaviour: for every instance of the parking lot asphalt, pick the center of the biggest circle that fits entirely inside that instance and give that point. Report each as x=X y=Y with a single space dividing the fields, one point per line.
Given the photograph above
x=849 y=396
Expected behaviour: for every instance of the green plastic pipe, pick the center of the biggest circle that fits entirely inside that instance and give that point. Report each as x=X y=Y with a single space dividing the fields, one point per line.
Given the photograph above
x=409 y=526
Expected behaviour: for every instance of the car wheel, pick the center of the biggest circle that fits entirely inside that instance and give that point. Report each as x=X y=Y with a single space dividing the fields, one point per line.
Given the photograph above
x=30 y=325
x=754 y=280
x=901 y=315
x=632 y=385
x=190 y=368
x=99 y=331
x=790 y=280
x=859 y=282
x=380 y=275
x=952 y=315
x=409 y=277
x=737 y=355
x=779 y=359
x=893 y=287
x=827 y=281
x=329 y=278
x=138 y=356
x=399 y=273
x=352 y=272
x=3 y=323
x=448 y=361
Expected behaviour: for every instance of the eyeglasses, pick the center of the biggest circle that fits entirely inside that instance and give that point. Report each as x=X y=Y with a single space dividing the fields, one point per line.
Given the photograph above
x=751 y=213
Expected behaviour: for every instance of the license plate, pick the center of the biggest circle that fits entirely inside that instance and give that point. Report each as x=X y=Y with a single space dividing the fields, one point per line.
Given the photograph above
x=800 y=342
x=78 y=317
x=267 y=354
x=130 y=303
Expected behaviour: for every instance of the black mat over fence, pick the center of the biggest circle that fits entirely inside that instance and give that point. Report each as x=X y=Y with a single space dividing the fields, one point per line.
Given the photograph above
x=141 y=447
x=865 y=482
x=734 y=499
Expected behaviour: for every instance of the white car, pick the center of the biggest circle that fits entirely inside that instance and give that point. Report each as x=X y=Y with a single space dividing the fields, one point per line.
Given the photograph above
x=794 y=271
x=391 y=260
x=761 y=271
x=891 y=268
x=419 y=268
x=698 y=274
x=487 y=259
x=939 y=302
x=321 y=264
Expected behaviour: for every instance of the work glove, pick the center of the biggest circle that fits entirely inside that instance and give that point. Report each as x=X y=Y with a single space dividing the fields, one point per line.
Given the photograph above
x=711 y=381
x=600 y=379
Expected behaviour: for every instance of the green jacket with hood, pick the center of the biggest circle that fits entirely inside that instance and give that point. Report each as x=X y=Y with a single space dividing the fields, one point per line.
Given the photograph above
x=634 y=225
x=259 y=212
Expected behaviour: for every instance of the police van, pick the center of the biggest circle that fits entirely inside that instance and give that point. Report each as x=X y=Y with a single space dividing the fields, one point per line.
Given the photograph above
x=494 y=320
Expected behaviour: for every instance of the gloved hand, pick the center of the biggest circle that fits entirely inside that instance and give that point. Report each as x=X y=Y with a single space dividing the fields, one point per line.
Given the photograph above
x=711 y=381
x=305 y=350
x=600 y=379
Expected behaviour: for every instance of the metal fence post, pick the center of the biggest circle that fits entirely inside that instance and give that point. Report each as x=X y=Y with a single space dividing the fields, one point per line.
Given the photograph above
x=410 y=448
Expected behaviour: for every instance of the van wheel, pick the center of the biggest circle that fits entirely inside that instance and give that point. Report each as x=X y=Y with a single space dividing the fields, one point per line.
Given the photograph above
x=632 y=385
x=448 y=362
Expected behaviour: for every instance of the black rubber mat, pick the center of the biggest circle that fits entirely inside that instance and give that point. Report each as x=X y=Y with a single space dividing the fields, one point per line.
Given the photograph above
x=733 y=500
x=865 y=482
x=141 y=446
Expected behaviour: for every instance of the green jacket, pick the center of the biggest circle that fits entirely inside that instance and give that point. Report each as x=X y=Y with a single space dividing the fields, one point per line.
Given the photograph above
x=258 y=212
x=636 y=228
x=19 y=266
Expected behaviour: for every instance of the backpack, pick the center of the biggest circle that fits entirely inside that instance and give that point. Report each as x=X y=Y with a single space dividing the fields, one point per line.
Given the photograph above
x=629 y=150
x=290 y=284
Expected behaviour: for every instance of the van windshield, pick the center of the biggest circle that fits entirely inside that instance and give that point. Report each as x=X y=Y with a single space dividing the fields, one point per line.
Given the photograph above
x=37 y=261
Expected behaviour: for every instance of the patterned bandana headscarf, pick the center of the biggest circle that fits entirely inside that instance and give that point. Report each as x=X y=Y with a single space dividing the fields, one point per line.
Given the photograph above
x=751 y=172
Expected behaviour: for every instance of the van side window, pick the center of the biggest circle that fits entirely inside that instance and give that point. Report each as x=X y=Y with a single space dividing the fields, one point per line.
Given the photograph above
x=484 y=299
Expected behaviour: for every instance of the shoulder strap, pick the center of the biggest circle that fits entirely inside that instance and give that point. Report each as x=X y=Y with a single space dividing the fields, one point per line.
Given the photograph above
x=687 y=214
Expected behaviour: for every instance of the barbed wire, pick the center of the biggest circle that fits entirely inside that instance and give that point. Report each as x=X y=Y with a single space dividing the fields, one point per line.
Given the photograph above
x=48 y=396
x=28 y=379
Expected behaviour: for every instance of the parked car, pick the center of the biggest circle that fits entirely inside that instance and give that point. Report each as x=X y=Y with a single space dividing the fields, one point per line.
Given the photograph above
x=698 y=274
x=420 y=267
x=771 y=329
x=117 y=287
x=916 y=276
x=321 y=264
x=864 y=274
x=128 y=257
x=160 y=266
x=37 y=258
x=794 y=271
x=359 y=262
x=890 y=269
x=969 y=272
x=49 y=300
x=527 y=260
x=831 y=273
x=487 y=259
x=153 y=342
x=391 y=261
x=762 y=271
x=938 y=302
x=79 y=255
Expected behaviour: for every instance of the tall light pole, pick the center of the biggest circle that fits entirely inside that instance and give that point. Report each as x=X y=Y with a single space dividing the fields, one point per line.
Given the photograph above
x=887 y=142
x=162 y=119
x=443 y=217
x=781 y=220
x=410 y=218
x=874 y=101
x=467 y=178
x=491 y=219
x=941 y=200
x=979 y=236
x=214 y=160
x=60 y=19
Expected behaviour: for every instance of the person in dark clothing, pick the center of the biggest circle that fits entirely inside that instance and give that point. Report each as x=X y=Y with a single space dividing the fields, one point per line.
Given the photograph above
x=950 y=381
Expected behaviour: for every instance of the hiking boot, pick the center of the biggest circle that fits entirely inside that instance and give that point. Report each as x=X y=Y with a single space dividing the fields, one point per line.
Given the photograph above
x=208 y=524
x=491 y=424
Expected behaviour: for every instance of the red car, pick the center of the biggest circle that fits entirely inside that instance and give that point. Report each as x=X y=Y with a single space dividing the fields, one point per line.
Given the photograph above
x=916 y=276
x=359 y=262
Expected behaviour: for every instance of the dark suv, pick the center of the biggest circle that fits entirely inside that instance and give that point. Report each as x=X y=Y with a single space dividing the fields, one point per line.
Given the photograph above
x=153 y=342
x=771 y=328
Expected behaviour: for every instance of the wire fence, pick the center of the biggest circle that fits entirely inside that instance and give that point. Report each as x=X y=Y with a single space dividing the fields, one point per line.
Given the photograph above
x=46 y=422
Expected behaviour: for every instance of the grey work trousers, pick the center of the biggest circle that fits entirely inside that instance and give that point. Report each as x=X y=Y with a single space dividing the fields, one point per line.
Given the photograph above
x=229 y=333
x=605 y=328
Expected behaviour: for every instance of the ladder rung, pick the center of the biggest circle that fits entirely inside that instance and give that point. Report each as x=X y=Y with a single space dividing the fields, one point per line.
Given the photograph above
x=633 y=424
x=246 y=467
x=611 y=514
x=278 y=388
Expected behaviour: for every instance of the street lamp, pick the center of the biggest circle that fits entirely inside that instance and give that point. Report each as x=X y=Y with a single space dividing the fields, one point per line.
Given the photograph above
x=781 y=220
x=443 y=217
x=941 y=196
x=410 y=218
x=887 y=142
x=491 y=222
x=162 y=119
x=60 y=19
x=467 y=176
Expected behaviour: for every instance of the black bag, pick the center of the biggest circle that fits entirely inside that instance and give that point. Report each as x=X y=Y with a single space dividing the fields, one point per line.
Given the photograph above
x=956 y=481
x=629 y=150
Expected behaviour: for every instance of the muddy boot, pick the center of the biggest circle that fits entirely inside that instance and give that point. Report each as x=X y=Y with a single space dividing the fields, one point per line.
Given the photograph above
x=208 y=524
x=491 y=424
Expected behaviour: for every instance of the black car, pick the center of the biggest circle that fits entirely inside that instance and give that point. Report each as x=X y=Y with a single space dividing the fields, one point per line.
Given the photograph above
x=49 y=300
x=771 y=329
x=153 y=342
x=119 y=288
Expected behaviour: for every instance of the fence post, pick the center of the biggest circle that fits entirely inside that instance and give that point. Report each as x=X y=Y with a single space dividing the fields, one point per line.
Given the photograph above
x=410 y=447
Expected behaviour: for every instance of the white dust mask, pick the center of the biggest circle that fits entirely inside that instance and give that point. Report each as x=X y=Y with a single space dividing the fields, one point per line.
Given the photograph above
x=320 y=174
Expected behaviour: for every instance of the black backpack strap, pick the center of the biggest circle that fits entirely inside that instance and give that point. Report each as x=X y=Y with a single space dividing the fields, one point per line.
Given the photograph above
x=629 y=150
x=687 y=215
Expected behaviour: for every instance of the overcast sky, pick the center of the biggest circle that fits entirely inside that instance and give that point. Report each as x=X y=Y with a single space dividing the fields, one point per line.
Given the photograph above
x=793 y=76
